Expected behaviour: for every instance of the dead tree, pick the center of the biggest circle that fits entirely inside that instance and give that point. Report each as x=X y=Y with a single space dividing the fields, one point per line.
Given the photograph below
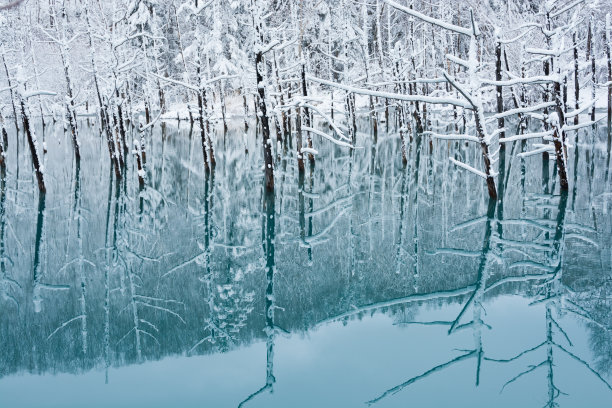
x=265 y=126
x=32 y=141
x=607 y=42
x=262 y=114
x=64 y=47
x=10 y=85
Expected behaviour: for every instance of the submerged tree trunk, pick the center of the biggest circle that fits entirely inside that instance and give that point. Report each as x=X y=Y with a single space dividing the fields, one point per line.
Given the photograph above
x=138 y=153
x=265 y=127
x=576 y=79
x=591 y=57
x=402 y=121
x=499 y=91
x=281 y=99
x=211 y=151
x=311 y=158
x=33 y=144
x=607 y=41
x=3 y=153
x=201 y=114
x=298 y=141
x=70 y=106
x=485 y=155
x=559 y=138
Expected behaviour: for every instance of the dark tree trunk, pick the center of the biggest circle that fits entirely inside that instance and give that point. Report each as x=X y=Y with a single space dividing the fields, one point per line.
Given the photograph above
x=499 y=91
x=211 y=151
x=298 y=142
x=311 y=158
x=485 y=156
x=559 y=138
x=28 y=131
x=591 y=57
x=576 y=81
x=202 y=128
x=607 y=41
x=8 y=78
x=265 y=127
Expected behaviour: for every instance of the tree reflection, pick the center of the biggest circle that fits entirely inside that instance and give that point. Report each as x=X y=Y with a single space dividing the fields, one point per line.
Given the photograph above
x=7 y=284
x=552 y=294
x=270 y=300
x=173 y=268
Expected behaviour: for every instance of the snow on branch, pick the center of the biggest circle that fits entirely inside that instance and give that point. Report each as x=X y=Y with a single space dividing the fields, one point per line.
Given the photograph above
x=527 y=109
x=174 y=81
x=569 y=128
x=32 y=94
x=580 y=110
x=142 y=128
x=468 y=138
x=133 y=37
x=545 y=148
x=566 y=8
x=518 y=37
x=468 y=168
x=525 y=136
x=328 y=137
x=544 y=79
x=327 y=118
x=458 y=60
x=460 y=89
x=431 y=20
x=547 y=52
x=264 y=48
x=192 y=9
x=389 y=95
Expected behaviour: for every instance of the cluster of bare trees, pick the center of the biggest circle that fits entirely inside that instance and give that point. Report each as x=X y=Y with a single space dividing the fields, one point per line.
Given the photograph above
x=429 y=68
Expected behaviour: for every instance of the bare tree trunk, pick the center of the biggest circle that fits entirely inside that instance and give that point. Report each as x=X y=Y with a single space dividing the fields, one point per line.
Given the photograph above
x=559 y=138
x=10 y=84
x=591 y=56
x=139 y=164
x=402 y=120
x=70 y=107
x=485 y=155
x=546 y=96
x=576 y=79
x=223 y=108
x=265 y=127
x=117 y=142
x=298 y=142
x=3 y=156
x=245 y=105
x=108 y=131
x=211 y=151
x=202 y=127
x=121 y=125
x=281 y=101
x=33 y=144
x=607 y=40
x=311 y=158
x=499 y=91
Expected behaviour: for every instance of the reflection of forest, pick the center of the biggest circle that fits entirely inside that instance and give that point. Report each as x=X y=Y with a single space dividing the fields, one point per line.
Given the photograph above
x=198 y=262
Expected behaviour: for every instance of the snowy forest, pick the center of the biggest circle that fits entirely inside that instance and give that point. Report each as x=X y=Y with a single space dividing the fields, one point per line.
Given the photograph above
x=264 y=202
x=291 y=64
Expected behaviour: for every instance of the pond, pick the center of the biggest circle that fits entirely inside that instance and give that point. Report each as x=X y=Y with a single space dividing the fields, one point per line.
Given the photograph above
x=358 y=282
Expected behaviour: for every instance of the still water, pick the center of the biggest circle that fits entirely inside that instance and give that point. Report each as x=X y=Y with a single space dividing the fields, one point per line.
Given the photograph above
x=359 y=282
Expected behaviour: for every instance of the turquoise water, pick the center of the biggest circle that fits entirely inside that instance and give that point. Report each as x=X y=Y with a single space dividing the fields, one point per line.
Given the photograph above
x=358 y=282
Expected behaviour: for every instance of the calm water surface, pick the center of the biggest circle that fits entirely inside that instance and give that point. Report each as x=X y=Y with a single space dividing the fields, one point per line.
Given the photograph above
x=360 y=282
